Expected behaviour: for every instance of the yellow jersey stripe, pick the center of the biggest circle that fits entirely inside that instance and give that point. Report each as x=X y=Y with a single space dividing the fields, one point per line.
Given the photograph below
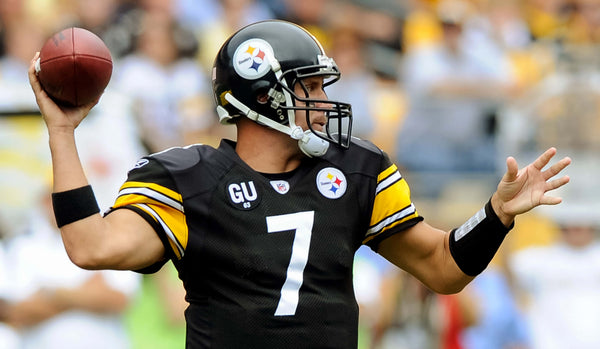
x=393 y=220
x=388 y=182
x=164 y=205
x=385 y=173
x=130 y=187
x=152 y=194
x=389 y=199
x=392 y=193
x=173 y=224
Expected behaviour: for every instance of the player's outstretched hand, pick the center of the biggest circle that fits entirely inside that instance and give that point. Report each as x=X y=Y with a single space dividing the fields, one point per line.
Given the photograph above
x=55 y=116
x=520 y=190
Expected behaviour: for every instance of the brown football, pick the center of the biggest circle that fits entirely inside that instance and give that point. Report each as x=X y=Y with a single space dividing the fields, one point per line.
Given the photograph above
x=74 y=67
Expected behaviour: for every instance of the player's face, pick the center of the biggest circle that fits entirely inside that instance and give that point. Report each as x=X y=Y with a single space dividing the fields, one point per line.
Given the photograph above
x=311 y=88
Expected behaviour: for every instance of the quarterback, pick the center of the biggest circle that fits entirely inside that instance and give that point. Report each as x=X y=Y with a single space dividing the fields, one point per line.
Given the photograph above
x=263 y=229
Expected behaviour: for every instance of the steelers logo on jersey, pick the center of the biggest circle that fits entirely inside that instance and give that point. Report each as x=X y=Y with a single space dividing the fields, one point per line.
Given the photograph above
x=331 y=183
x=251 y=59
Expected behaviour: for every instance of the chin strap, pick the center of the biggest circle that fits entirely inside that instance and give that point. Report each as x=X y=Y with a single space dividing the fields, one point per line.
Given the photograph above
x=310 y=144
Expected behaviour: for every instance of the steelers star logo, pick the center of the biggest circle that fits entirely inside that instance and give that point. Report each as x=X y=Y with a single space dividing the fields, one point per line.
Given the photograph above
x=331 y=183
x=251 y=59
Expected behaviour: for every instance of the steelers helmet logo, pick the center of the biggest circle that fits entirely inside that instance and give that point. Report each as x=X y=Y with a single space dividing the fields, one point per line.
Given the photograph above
x=251 y=59
x=331 y=183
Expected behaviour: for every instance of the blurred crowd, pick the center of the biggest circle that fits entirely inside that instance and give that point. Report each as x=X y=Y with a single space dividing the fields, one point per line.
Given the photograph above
x=449 y=88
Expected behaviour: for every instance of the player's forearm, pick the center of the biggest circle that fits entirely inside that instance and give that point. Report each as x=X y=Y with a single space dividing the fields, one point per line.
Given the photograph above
x=82 y=232
x=66 y=166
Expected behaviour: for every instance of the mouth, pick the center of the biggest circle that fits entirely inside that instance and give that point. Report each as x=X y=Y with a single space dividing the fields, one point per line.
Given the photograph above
x=318 y=126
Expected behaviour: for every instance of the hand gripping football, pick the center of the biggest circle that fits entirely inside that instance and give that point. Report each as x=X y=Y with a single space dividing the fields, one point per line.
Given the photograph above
x=74 y=67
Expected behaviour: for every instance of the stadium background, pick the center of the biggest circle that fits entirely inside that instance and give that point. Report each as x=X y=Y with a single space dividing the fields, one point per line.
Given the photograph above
x=160 y=97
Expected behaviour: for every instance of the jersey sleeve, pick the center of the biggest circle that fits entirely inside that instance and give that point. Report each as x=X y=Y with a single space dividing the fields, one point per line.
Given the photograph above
x=151 y=192
x=393 y=210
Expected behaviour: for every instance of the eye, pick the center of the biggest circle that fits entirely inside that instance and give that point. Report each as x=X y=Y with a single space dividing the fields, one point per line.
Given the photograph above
x=313 y=86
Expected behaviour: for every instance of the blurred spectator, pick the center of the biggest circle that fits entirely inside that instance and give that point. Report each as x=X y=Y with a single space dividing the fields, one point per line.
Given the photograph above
x=485 y=315
x=169 y=89
x=454 y=88
x=497 y=321
x=415 y=316
x=584 y=24
x=358 y=82
x=560 y=284
x=381 y=24
x=277 y=7
x=314 y=16
x=11 y=11
x=9 y=339
x=455 y=313
x=310 y=14
x=24 y=160
x=504 y=20
x=376 y=284
x=111 y=20
x=21 y=39
x=547 y=19
x=194 y=16
x=222 y=20
x=55 y=304
x=156 y=317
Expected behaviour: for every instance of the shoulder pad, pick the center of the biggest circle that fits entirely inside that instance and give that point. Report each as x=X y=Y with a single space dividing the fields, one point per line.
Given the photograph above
x=180 y=158
x=361 y=157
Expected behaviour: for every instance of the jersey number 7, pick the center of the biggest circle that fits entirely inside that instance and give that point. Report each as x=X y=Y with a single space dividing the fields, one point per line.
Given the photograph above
x=301 y=223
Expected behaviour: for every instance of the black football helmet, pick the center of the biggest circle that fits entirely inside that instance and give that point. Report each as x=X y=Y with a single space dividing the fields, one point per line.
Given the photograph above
x=254 y=75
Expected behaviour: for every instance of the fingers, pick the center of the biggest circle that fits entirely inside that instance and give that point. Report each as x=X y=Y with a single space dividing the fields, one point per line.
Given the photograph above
x=544 y=159
x=512 y=169
x=550 y=200
x=557 y=168
x=557 y=183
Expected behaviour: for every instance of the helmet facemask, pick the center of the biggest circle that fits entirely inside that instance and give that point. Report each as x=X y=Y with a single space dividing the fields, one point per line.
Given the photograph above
x=337 y=129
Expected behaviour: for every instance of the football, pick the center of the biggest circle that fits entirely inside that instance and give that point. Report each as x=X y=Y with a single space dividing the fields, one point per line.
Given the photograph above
x=74 y=67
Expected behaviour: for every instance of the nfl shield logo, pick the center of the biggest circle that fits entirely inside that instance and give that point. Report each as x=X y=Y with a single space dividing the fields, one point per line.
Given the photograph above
x=281 y=186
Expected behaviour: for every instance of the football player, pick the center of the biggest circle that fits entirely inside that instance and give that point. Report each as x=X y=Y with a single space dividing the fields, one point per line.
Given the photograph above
x=263 y=230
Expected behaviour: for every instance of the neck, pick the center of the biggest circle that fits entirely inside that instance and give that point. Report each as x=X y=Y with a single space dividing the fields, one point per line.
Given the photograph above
x=266 y=150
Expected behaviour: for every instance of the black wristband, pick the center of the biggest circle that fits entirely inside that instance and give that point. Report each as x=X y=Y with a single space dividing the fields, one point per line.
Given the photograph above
x=474 y=244
x=72 y=205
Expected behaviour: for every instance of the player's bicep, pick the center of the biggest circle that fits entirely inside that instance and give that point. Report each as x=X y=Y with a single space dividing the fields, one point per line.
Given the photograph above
x=134 y=243
x=151 y=193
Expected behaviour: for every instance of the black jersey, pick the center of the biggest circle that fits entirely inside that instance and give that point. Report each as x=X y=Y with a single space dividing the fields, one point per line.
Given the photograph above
x=267 y=261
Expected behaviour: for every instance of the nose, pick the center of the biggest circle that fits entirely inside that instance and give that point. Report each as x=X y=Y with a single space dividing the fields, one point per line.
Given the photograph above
x=321 y=94
x=322 y=99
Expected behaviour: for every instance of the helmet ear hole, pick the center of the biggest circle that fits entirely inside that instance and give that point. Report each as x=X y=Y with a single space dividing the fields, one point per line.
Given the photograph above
x=260 y=90
x=262 y=97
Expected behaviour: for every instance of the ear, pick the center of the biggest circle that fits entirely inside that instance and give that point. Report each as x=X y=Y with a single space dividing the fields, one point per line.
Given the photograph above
x=262 y=98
